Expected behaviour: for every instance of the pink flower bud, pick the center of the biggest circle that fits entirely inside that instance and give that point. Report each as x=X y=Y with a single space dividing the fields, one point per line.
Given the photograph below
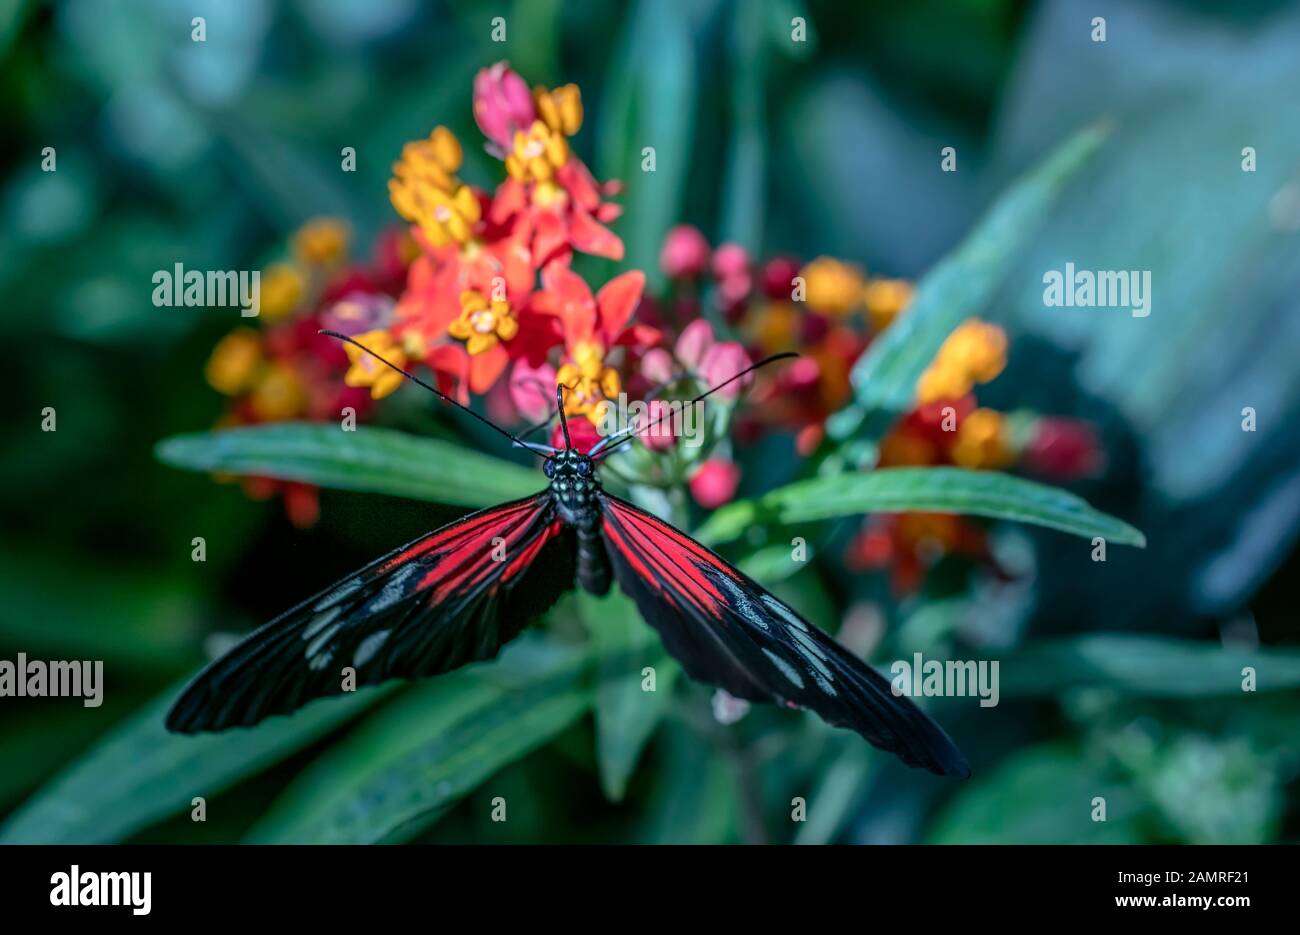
x=695 y=339
x=730 y=261
x=502 y=104
x=714 y=483
x=657 y=365
x=532 y=390
x=685 y=253
x=721 y=362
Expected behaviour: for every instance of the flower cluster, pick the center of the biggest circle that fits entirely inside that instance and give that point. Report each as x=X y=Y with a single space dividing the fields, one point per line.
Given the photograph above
x=283 y=369
x=480 y=289
x=490 y=297
x=830 y=310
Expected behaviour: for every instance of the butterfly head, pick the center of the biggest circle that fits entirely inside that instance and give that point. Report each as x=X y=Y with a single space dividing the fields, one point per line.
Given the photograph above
x=573 y=484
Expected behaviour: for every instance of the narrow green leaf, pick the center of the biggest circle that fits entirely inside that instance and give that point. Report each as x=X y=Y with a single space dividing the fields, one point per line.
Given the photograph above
x=649 y=114
x=626 y=715
x=396 y=773
x=1151 y=666
x=139 y=773
x=838 y=788
x=1042 y=796
x=369 y=459
x=960 y=286
x=938 y=490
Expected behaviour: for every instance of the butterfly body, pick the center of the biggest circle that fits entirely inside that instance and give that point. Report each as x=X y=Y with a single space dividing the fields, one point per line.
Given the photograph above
x=576 y=494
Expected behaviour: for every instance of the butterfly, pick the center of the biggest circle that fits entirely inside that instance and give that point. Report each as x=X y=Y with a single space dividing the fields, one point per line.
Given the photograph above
x=459 y=594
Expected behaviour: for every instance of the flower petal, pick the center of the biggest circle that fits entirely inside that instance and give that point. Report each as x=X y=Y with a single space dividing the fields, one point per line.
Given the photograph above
x=616 y=301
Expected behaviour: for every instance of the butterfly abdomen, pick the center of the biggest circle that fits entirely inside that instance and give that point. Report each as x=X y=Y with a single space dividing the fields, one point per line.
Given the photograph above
x=593 y=563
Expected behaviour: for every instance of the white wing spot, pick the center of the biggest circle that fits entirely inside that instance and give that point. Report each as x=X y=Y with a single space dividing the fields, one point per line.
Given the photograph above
x=785 y=613
x=393 y=591
x=367 y=648
x=786 y=669
x=338 y=593
x=319 y=642
x=320 y=621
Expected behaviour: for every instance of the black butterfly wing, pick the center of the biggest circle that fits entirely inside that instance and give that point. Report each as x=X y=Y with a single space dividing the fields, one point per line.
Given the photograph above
x=729 y=631
x=454 y=596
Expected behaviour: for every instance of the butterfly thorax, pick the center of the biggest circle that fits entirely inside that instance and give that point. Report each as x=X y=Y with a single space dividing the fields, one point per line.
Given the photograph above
x=575 y=489
x=576 y=495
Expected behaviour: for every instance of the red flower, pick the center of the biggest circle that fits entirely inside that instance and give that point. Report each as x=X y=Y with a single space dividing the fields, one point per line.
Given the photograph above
x=602 y=321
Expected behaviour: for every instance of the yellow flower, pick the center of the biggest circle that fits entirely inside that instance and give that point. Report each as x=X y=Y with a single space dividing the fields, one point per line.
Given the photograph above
x=282 y=291
x=884 y=299
x=279 y=394
x=425 y=190
x=234 y=362
x=982 y=442
x=367 y=370
x=775 y=327
x=976 y=352
x=832 y=287
x=321 y=242
x=537 y=154
x=978 y=348
x=560 y=109
x=589 y=383
x=482 y=324
x=942 y=382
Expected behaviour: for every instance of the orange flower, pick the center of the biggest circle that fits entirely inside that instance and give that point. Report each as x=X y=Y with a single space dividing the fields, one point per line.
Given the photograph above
x=590 y=384
x=982 y=442
x=426 y=192
x=831 y=286
x=976 y=352
x=885 y=299
x=279 y=394
x=536 y=156
x=367 y=370
x=560 y=109
x=481 y=323
x=321 y=242
x=234 y=362
x=283 y=288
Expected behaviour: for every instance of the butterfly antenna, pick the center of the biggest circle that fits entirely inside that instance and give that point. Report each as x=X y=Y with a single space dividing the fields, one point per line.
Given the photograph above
x=564 y=423
x=609 y=442
x=435 y=391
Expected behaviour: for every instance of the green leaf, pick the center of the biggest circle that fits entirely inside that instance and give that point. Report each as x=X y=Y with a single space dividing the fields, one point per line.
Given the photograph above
x=650 y=102
x=1043 y=795
x=374 y=460
x=694 y=800
x=961 y=285
x=938 y=490
x=1151 y=666
x=125 y=615
x=397 y=773
x=626 y=716
x=139 y=773
x=838 y=788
